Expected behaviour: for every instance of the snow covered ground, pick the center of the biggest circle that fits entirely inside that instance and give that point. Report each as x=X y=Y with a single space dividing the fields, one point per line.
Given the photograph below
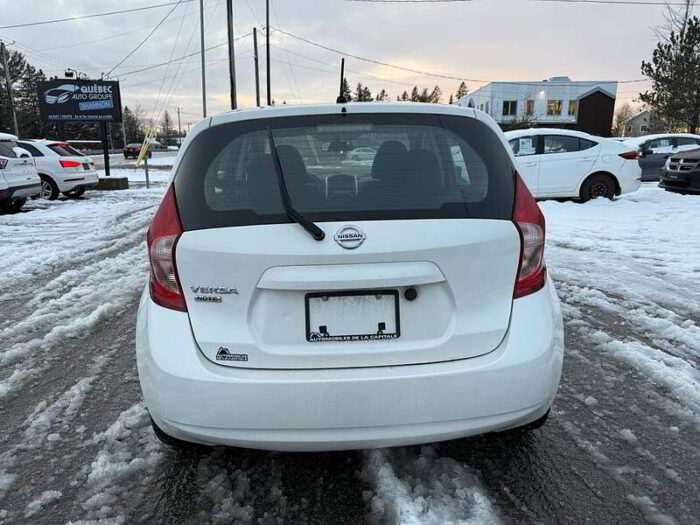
x=138 y=175
x=621 y=445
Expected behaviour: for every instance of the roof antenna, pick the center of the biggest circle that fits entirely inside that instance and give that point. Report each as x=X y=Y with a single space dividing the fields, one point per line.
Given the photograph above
x=341 y=96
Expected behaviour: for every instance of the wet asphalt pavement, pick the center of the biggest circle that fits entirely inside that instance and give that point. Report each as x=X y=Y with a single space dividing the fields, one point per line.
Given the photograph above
x=618 y=447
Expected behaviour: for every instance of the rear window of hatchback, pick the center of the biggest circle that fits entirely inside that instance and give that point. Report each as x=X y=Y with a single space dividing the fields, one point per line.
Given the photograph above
x=413 y=166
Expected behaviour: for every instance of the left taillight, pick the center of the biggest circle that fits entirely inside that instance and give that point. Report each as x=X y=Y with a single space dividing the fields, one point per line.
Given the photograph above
x=630 y=155
x=162 y=237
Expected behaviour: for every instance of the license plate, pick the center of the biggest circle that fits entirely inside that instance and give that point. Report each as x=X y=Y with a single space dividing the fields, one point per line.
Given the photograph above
x=352 y=316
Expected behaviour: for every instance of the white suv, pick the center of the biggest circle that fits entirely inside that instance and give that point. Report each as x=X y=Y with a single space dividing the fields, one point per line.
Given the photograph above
x=18 y=177
x=572 y=164
x=62 y=168
x=299 y=302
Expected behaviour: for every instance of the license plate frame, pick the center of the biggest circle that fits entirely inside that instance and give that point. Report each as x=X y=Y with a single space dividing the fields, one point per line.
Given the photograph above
x=316 y=337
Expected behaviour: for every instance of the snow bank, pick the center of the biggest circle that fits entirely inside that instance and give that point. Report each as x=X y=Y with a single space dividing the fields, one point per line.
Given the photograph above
x=424 y=489
x=636 y=262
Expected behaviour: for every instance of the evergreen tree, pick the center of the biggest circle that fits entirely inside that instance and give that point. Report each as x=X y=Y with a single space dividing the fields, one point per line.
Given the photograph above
x=462 y=91
x=403 y=98
x=133 y=125
x=166 y=127
x=362 y=93
x=451 y=100
x=415 y=95
x=382 y=96
x=435 y=95
x=347 y=93
x=675 y=74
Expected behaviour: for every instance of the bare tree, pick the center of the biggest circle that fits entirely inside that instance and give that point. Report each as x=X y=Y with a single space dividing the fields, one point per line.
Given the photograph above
x=675 y=19
x=624 y=113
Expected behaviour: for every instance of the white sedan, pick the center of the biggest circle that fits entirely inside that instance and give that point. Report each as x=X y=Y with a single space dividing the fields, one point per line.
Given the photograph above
x=572 y=164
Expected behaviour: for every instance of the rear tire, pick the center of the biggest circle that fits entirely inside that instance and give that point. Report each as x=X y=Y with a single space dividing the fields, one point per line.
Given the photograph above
x=49 y=190
x=177 y=444
x=14 y=206
x=595 y=186
x=74 y=194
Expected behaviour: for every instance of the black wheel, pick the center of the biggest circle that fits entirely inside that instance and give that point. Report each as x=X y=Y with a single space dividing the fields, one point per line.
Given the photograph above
x=173 y=442
x=49 y=190
x=14 y=206
x=597 y=186
x=74 y=194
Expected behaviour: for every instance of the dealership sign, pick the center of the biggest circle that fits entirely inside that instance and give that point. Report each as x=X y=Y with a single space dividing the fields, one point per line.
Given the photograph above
x=68 y=100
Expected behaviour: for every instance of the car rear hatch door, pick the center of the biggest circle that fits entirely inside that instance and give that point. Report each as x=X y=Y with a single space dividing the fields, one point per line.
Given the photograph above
x=417 y=281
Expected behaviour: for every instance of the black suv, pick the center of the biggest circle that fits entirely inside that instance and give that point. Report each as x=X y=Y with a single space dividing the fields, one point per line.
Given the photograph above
x=682 y=173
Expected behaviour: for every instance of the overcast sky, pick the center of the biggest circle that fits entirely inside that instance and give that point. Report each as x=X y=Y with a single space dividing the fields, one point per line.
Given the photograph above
x=482 y=39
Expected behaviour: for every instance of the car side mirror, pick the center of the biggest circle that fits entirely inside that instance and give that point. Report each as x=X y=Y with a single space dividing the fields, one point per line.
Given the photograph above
x=644 y=152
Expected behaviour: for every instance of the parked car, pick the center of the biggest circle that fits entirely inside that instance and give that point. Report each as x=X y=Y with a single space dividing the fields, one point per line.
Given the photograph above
x=654 y=150
x=681 y=174
x=362 y=154
x=559 y=163
x=134 y=150
x=297 y=302
x=18 y=177
x=62 y=168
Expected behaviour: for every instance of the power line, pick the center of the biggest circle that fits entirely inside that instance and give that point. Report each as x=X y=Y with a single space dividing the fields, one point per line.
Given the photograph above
x=119 y=35
x=148 y=36
x=196 y=53
x=610 y=2
x=82 y=17
x=428 y=73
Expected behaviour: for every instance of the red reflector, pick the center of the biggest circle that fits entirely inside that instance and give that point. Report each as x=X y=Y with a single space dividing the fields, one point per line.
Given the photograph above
x=162 y=240
x=69 y=163
x=529 y=220
x=630 y=155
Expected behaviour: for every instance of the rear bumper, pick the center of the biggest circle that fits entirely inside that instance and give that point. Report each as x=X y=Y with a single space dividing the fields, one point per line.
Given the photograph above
x=194 y=399
x=680 y=182
x=630 y=177
x=76 y=181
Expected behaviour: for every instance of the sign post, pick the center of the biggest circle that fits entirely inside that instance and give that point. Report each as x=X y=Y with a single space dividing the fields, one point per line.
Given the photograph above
x=80 y=100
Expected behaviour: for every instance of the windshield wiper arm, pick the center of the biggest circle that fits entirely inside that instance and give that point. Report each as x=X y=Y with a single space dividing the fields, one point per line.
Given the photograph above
x=316 y=232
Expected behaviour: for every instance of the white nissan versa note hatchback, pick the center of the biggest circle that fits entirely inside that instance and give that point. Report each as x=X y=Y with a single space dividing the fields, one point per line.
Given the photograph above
x=302 y=301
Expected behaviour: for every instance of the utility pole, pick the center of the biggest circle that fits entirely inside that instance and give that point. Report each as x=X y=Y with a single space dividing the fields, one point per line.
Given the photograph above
x=341 y=95
x=257 y=72
x=179 y=128
x=267 y=50
x=231 y=56
x=9 y=86
x=201 y=43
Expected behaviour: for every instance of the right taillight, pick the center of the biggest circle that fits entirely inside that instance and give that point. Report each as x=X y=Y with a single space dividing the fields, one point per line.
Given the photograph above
x=529 y=220
x=630 y=155
x=162 y=238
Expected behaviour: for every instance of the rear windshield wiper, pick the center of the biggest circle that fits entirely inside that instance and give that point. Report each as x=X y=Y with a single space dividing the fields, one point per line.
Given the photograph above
x=316 y=232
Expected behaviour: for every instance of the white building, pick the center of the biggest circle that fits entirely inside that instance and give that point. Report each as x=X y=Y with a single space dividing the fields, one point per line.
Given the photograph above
x=584 y=105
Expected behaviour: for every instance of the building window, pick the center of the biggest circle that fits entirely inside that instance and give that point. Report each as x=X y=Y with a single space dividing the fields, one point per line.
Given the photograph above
x=553 y=107
x=643 y=129
x=629 y=128
x=510 y=108
x=573 y=106
x=487 y=108
x=529 y=107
